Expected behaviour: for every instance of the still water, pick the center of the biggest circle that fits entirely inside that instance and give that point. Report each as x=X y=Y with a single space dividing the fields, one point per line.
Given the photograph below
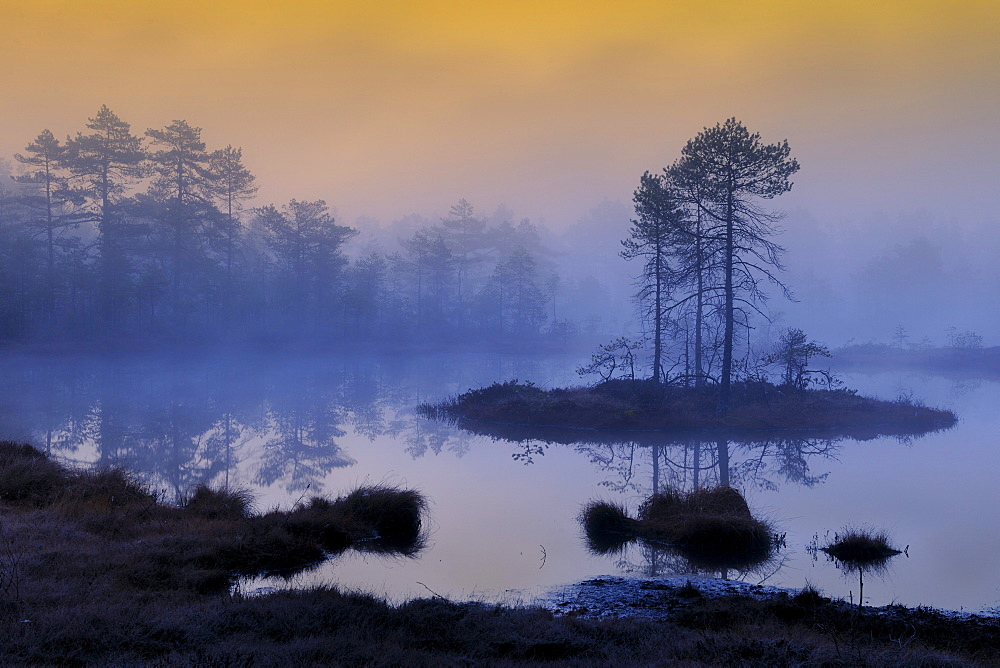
x=503 y=514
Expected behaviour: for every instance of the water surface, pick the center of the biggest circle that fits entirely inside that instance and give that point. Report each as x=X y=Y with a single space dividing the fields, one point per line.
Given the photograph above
x=503 y=514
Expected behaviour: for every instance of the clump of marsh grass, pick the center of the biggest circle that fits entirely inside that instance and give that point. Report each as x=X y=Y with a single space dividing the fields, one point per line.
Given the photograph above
x=106 y=488
x=809 y=597
x=28 y=477
x=607 y=526
x=219 y=503
x=212 y=536
x=712 y=527
x=377 y=518
x=395 y=515
x=861 y=550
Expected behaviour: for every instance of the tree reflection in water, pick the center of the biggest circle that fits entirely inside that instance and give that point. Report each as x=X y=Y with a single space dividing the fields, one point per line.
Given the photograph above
x=644 y=464
x=180 y=424
x=691 y=463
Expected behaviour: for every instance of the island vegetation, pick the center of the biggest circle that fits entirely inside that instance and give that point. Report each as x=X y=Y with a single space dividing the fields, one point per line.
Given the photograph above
x=709 y=256
x=625 y=405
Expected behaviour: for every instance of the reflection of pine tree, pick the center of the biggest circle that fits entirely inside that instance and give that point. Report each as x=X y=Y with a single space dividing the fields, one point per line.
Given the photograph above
x=364 y=400
x=302 y=449
x=173 y=446
x=430 y=435
x=225 y=441
x=691 y=464
x=786 y=459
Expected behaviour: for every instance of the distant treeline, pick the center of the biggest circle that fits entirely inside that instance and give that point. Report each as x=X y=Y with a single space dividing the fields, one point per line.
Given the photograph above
x=111 y=236
x=963 y=360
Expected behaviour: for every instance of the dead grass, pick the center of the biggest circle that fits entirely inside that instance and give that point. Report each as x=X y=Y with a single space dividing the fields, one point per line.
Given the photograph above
x=214 y=536
x=154 y=591
x=216 y=504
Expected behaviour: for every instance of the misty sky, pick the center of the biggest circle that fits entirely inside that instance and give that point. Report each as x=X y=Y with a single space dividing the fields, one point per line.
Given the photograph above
x=389 y=108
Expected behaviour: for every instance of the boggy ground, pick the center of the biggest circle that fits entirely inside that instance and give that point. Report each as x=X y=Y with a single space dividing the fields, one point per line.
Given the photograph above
x=95 y=570
x=642 y=405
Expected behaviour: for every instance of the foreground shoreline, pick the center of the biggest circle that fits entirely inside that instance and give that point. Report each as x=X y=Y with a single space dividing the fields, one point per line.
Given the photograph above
x=95 y=570
x=619 y=597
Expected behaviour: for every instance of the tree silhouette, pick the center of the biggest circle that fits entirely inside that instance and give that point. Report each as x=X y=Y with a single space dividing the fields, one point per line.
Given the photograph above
x=104 y=164
x=735 y=169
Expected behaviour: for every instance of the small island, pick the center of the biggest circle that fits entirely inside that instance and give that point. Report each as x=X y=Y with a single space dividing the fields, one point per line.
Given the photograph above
x=618 y=405
x=709 y=265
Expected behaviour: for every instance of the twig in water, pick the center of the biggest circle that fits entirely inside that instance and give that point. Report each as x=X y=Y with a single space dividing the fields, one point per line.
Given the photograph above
x=544 y=556
x=430 y=590
x=303 y=494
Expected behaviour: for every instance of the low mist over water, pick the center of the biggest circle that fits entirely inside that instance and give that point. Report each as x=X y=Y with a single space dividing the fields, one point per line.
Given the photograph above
x=504 y=514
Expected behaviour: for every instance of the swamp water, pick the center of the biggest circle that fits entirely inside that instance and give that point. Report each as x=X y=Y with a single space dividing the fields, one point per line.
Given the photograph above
x=503 y=514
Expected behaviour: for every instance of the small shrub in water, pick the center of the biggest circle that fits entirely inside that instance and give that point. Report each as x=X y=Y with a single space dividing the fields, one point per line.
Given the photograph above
x=861 y=549
x=607 y=525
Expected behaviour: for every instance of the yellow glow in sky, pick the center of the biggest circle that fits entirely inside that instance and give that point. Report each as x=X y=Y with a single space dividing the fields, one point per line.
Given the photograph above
x=392 y=107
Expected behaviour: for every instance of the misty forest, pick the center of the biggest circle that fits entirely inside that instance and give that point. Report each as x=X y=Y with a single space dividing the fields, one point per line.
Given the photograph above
x=129 y=240
x=255 y=399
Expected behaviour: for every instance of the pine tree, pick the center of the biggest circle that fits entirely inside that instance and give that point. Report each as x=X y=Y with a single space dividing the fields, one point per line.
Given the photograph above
x=51 y=203
x=734 y=170
x=183 y=189
x=104 y=164
x=653 y=238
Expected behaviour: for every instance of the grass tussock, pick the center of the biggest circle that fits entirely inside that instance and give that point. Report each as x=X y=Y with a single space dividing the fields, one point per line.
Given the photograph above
x=712 y=527
x=213 y=536
x=376 y=518
x=861 y=548
x=622 y=404
x=216 y=504
x=607 y=526
x=28 y=477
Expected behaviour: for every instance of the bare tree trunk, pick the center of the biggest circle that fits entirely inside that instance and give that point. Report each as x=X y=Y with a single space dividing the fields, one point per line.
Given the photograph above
x=699 y=378
x=725 y=387
x=723 y=449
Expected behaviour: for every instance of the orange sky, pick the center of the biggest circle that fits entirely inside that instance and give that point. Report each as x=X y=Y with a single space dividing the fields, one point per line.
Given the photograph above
x=394 y=107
